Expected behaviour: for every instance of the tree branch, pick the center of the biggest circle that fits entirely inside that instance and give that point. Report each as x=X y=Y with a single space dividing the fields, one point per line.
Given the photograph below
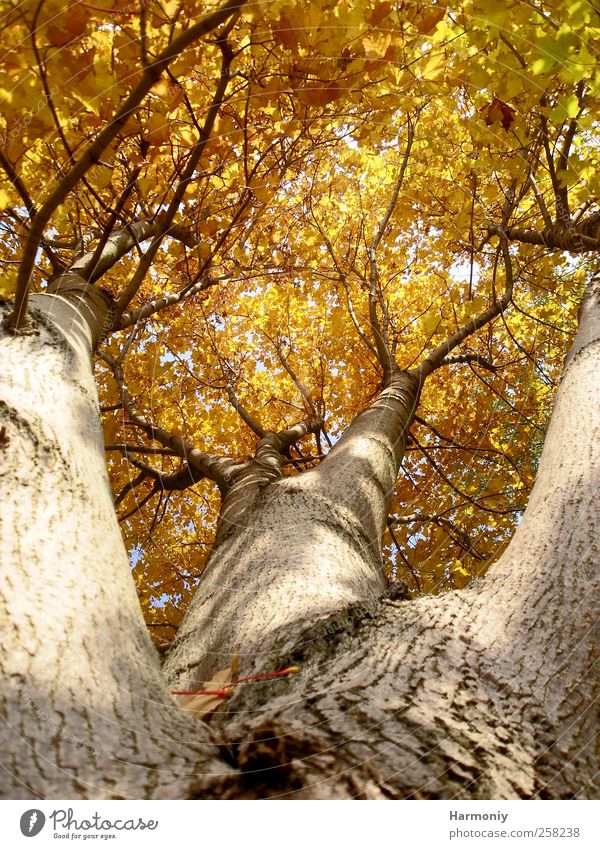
x=129 y=487
x=92 y=153
x=344 y=281
x=179 y=480
x=30 y=206
x=436 y=467
x=131 y=318
x=562 y=199
x=215 y=467
x=459 y=536
x=245 y=416
x=539 y=198
x=382 y=343
x=198 y=149
x=580 y=238
x=438 y=356
x=125 y=448
x=469 y=358
x=96 y=258
x=273 y=448
x=300 y=386
x=398 y=184
x=403 y=557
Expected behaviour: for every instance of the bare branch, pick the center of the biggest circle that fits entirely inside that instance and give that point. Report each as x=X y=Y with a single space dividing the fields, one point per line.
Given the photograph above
x=579 y=238
x=21 y=188
x=124 y=448
x=354 y=319
x=287 y=438
x=382 y=343
x=91 y=266
x=384 y=354
x=138 y=506
x=273 y=448
x=436 y=467
x=300 y=386
x=577 y=215
x=539 y=197
x=513 y=50
x=550 y=164
x=403 y=557
x=18 y=184
x=398 y=184
x=131 y=318
x=129 y=487
x=460 y=536
x=469 y=358
x=97 y=256
x=344 y=281
x=215 y=467
x=562 y=199
x=167 y=481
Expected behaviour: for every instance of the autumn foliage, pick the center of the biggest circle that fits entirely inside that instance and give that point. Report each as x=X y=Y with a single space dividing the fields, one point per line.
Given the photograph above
x=280 y=159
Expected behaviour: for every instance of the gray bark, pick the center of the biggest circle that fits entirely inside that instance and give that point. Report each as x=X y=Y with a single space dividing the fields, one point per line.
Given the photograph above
x=576 y=238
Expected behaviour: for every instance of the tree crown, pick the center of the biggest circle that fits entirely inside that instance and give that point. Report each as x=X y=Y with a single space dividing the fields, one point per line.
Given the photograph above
x=287 y=200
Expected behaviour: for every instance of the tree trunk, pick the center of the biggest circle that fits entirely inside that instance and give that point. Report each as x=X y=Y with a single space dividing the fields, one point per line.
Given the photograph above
x=484 y=693
x=85 y=710
x=304 y=547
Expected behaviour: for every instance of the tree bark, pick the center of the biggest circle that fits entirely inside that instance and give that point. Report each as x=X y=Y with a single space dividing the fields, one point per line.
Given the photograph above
x=558 y=236
x=85 y=712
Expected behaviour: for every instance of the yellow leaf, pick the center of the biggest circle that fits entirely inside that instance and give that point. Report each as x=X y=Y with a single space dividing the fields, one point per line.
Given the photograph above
x=5 y=199
x=110 y=427
x=433 y=67
x=8 y=284
x=156 y=129
x=460 y=575
x=430 y=323
x=102 y=176
x=475 y=306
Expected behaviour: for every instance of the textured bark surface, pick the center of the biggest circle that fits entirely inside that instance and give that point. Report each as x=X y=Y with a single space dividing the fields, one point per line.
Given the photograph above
x=83 y=708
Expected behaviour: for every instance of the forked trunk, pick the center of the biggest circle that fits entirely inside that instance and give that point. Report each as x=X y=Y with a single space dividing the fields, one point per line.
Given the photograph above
x=306 y=546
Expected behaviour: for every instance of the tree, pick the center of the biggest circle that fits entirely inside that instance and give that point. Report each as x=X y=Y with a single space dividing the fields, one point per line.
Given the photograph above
x=312 y=246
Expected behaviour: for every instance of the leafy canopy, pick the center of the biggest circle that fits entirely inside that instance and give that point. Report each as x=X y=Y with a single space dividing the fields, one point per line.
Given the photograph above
x=264 y=157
